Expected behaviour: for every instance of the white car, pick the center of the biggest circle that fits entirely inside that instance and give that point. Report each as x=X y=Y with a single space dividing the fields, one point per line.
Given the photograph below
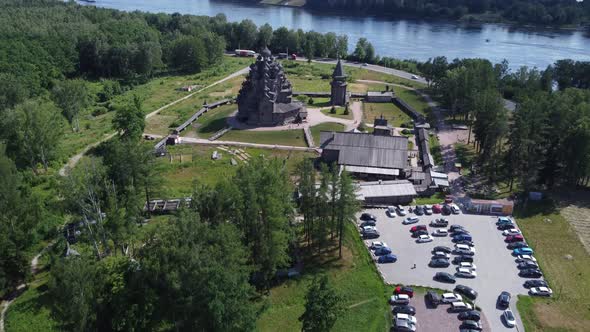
x=455 y=209
x=424 y=239
x=512 y=231
x=460 y=306
x=465 y=247
x=451 y=297
x=399 y=299
x=541 y=291
x=391 y=211
x=401 y=211
x=440 y=232
x=464 y=272
x=414 y=77
x=378 y=244
x=468 y=265
x=440 y=254
x=368 y=229
x=407 y=317
x=410 y=220
x=427 y=210
x=522 y=258
x=509 y=318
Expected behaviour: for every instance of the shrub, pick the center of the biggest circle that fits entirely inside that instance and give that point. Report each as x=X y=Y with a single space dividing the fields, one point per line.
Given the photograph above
x=333 y=110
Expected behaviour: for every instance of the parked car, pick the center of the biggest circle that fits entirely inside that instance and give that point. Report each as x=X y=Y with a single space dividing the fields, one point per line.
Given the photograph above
x=404 y=309
x=461 y=237
x=433 y=298
x=514 y=238
x=531 y=273
x=368 y=216
x=439 y=222
x=504 y=220
x=446 y=210
x=451 y=297
x=399 y=299
x=424 y=239
x=439 y=262
x=535 y=283
x=465 y=242
x=441 y=254
x=504 y=227
x=527 y=265
x=472 y=325
x=468 y=292
x=462 y=258
x=369 y=223
x=504 y=300
x=465 y=247
x=428 y=210
x=515 y=245
x=409 y=291
x=467 y=265
x=523 y=251
x=540 y=291
x=368 y=229
x=523 y=258
x=370 y=234
x=407 y=317
x=419 y=210
x=377 y=244
x=400 y=325
x=463 y=252
x=460 y=306
x=511 y=231
x=470 y=315
x=437 y=208
x=445 y=277
x=391 y=211
x=383 y=251
x=509 y=318
x=460 y=231
x=418 y=228
x=455 y=209
x=466 y=273
x=389 y=258
x=401 y=211
x=440 y=232
x=419 y=233
x=410 y=220
x=443 y=249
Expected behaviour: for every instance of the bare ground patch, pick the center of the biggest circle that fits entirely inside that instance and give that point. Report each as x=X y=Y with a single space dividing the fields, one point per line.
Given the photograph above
x=575 y=207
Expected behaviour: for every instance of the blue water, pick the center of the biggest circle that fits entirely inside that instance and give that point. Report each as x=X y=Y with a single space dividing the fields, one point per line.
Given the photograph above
x=400 y=38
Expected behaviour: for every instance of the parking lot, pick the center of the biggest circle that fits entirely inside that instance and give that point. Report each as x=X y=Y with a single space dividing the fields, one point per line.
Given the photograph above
x=496 y=267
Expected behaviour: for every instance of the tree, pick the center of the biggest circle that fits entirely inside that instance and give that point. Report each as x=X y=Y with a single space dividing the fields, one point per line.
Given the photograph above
x=188 y=54
x=264 y=35
x=342 y=46
x=247 y=34
x=72 y=97
x=360 y=52
x=322 y=306
x=347 y=206
x=130 y=121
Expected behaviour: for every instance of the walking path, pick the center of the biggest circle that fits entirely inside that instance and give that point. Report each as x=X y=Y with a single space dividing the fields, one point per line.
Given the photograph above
x=202 y=141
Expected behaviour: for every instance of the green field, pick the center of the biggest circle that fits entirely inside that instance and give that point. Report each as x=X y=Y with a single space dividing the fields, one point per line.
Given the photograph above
x=330 y=126
x=413 y=99
x=214 y=120
x=552 y=238
x=294 y=137
x=392 y=113
x=356 y=279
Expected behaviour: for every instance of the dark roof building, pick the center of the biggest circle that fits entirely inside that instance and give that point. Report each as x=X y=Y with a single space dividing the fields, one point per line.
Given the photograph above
x=265 y=98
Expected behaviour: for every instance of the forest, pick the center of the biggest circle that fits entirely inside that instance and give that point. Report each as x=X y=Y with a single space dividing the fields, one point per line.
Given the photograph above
x=536 y=12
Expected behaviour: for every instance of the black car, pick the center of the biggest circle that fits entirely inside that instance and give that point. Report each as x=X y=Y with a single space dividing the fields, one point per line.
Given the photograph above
x=455 y=227
x=460 y=231
x=527 y=265
x=439 y=223
x=446 y=210
x=445 y=277
x=469 y=292
x=504 y=300
x=504 y=227
x=470 y=315
x=467 y=242
x=371 y=235
x=439 y=262
x=471 y=324
x=459 y=259
x=518 y=244
x=432 y=297
x=369 y=223
x=531 y=273
x=404 y=309
x=368 y=216
x=463 y=252
x=418 y=233
x=419 y=211
x=535 y=283
x=443 y=249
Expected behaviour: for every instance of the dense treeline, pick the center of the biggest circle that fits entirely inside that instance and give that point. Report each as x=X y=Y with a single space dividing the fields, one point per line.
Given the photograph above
x=543 y=12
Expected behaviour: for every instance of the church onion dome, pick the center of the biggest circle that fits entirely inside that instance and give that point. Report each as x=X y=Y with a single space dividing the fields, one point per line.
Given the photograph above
x=265 y=52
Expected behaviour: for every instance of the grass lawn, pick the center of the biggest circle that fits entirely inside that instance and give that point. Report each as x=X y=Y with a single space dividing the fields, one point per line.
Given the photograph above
x=552 y=237
x=293 y=137
x=392 y=113
x=356 y=279
x=413 y=99
x=214 y=120
x=437 y=198
x=435 y=149
x=339 y=113
x=330 y=126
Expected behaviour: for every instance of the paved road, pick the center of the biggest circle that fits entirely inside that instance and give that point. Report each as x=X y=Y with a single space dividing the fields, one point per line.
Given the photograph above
x=496 y=267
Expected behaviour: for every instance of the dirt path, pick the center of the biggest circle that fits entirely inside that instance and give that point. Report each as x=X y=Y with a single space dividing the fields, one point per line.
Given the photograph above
x=190 y=140
x=71 y=163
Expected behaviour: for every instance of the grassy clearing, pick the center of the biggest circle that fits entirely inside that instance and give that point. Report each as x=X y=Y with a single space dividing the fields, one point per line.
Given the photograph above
x=552 y=237
x=356 y=279
x=392 y=113
x=339 y=113
x=413 y=99
x=434 y=199
x=214 y=120
x=435 y=149
x=330 y=126
x=294 y=137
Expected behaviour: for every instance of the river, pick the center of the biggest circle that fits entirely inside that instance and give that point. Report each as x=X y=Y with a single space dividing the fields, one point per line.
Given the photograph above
x=399 y=38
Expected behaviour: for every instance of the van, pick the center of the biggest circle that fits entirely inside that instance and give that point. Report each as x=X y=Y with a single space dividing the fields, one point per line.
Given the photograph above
x=460 y=306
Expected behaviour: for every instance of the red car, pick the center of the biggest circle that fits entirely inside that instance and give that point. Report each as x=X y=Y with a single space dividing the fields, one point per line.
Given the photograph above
x=436 y=208
x=409 y=291
x=418 y=228
x=514 y=238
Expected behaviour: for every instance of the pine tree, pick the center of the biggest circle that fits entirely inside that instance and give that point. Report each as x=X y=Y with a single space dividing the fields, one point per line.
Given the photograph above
x=322 y=306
